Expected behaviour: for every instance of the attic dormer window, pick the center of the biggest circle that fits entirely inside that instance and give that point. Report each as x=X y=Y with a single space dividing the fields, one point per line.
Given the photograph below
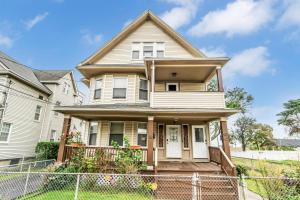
x=148 y=50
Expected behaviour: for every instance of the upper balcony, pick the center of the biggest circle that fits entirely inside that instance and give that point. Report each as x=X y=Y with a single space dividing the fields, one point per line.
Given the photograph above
x=186 y=83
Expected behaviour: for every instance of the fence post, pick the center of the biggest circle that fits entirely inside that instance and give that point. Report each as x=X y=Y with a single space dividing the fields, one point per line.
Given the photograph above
x=244 y=186
x=26 y=183
x=21 y=168
x=77 y=187
x=194 y=186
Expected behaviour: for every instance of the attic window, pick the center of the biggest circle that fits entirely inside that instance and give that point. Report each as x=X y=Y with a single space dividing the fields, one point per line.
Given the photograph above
x=41 y=97
x=148 y=50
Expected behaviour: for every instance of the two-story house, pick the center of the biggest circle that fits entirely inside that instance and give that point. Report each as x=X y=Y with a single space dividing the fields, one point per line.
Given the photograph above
x=27 y=98
x=150 y=85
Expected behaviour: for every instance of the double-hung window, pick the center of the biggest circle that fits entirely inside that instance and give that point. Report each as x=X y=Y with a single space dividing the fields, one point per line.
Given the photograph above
x=66 y=88
x=5 y=131
x=120 y=88
x=160 y=49
x=142 y=134
x=143 y=92
x=116 y=133
x=148 y=50
x=37 y=114
x=93 y=133
x=136 y=48
x=52 y=135
x=98 y=89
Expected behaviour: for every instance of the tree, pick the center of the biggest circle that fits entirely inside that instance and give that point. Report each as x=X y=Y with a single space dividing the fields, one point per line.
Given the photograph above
x=290 y=117
x=262 y=136
x=242 y=131
x=238 y=98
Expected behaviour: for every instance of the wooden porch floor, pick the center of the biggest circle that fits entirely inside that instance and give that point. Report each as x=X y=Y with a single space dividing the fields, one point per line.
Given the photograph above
x=184 y=167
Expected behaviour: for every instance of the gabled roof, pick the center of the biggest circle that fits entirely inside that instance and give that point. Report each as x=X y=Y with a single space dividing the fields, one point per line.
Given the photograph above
x=148 y=15
x=21 y=72
x=50 y=75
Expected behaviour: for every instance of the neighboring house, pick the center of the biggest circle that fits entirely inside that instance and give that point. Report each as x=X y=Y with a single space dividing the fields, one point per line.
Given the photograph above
x=295 y=143
x=27 y=98
x=150 y=85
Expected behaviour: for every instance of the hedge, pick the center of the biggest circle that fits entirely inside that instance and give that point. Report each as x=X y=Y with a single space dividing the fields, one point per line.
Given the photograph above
x=47 y=150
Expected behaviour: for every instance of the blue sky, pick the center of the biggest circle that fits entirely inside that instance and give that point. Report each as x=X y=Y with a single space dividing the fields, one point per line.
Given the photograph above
x=262 y=38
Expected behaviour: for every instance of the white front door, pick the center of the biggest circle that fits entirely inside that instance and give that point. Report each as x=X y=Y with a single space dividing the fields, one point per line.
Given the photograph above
x=200 y=149
x=173 y=147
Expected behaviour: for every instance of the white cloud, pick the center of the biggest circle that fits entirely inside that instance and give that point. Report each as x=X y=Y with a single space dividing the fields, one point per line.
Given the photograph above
x=214 y=52
x=250 y=62
x=182 y=14
x=89 y=38
x=6 y=41
x=127 y=23
x=238 y=18
x=29 y=24
x=290 y=16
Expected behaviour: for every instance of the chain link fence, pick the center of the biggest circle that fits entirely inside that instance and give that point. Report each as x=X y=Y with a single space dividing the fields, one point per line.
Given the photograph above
x=25 y=166
x=45 y=185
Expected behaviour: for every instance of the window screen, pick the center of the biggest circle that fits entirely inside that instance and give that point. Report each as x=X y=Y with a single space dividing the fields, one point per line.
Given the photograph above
x=116 y=133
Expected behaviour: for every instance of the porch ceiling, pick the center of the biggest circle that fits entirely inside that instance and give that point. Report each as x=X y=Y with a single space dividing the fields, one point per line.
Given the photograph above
x=140 y=113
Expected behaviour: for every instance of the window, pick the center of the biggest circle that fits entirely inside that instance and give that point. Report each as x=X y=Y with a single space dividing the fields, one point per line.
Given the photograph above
x=98 y=88
x=41 y=97
x=5 y=131
x=142 y=134
x=52 y=135
x=160 y=135
x=37 y=114
x=143 y=94
x=120 y=87
x=135 y=55
x=57 y=103
x=116 y=133
x=185 y=129
x=136 y=48
x=160 y=49
x=148 y=50
x=199 y=135
x=66 y=88
x=172 y=87
x=93 y=133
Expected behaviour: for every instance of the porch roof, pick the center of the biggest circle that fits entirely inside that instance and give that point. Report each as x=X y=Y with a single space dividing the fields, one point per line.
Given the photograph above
x=141 y=112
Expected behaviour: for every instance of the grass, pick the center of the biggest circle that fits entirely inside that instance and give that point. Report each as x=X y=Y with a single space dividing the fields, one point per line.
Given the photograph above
x=277 y=168
x=63 y=194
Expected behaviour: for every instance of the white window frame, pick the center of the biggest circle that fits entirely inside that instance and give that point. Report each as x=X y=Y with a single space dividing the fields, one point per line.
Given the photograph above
x=54 y=136
x=66 y=88
x=120 y=88
x=160 y=46
x=149 y=44
x=101 y=89
x=147 y=89
x=9 y=133
x=137 y=134
x=124 y=131
x=167 y=87
x=136 y=46
x=139 y=46
x=89 y=133
x=40 y=113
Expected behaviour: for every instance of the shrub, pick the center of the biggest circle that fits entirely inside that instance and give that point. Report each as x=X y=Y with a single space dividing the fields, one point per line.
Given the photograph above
x=241 y=170
x=47 y=150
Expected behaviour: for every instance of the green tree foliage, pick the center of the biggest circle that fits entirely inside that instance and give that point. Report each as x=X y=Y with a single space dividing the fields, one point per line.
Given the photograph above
x=242 y=130
x=290 y=117
x=262 y=136
x=238 y=98
x=47 y=150
x=212 y=85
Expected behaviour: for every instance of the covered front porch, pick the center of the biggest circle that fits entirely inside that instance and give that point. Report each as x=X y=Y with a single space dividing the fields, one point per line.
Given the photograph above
x=164 y=135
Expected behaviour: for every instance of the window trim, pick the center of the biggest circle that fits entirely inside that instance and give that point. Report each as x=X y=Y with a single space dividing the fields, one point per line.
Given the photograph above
x=124 y=129
x=120 y=77
x=177 y=87
x=98 y=128
x=163 y=125
x=95 y=89
x=66 y=88
x=137 y=134
x=149 y=44
x=38 y=120
x=147 y=89
x=9 y=133
x=54 y=135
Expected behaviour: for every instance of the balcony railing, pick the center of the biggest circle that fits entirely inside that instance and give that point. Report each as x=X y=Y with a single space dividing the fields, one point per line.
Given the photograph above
x=107 y=153
x=188 y=100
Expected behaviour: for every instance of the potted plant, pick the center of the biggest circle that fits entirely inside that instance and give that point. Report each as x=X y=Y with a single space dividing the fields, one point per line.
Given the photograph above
x=74 y=139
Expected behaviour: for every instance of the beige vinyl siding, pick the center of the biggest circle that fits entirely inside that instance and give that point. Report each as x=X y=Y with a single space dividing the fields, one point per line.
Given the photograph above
x=132 y=93
x=25 y=131
x=160 y=87
x=147 y=32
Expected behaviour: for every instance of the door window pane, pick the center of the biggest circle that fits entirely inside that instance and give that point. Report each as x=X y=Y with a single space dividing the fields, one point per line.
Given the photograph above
x=173 y=134
x=160 y=135
x=185 y=129
x=199 y=135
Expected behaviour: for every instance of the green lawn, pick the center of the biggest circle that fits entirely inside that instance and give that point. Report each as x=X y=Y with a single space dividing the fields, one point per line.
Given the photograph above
x=88 y=195
x=274 y=168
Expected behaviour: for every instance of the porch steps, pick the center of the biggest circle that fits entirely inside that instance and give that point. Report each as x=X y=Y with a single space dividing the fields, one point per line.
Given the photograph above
x=209 y=189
